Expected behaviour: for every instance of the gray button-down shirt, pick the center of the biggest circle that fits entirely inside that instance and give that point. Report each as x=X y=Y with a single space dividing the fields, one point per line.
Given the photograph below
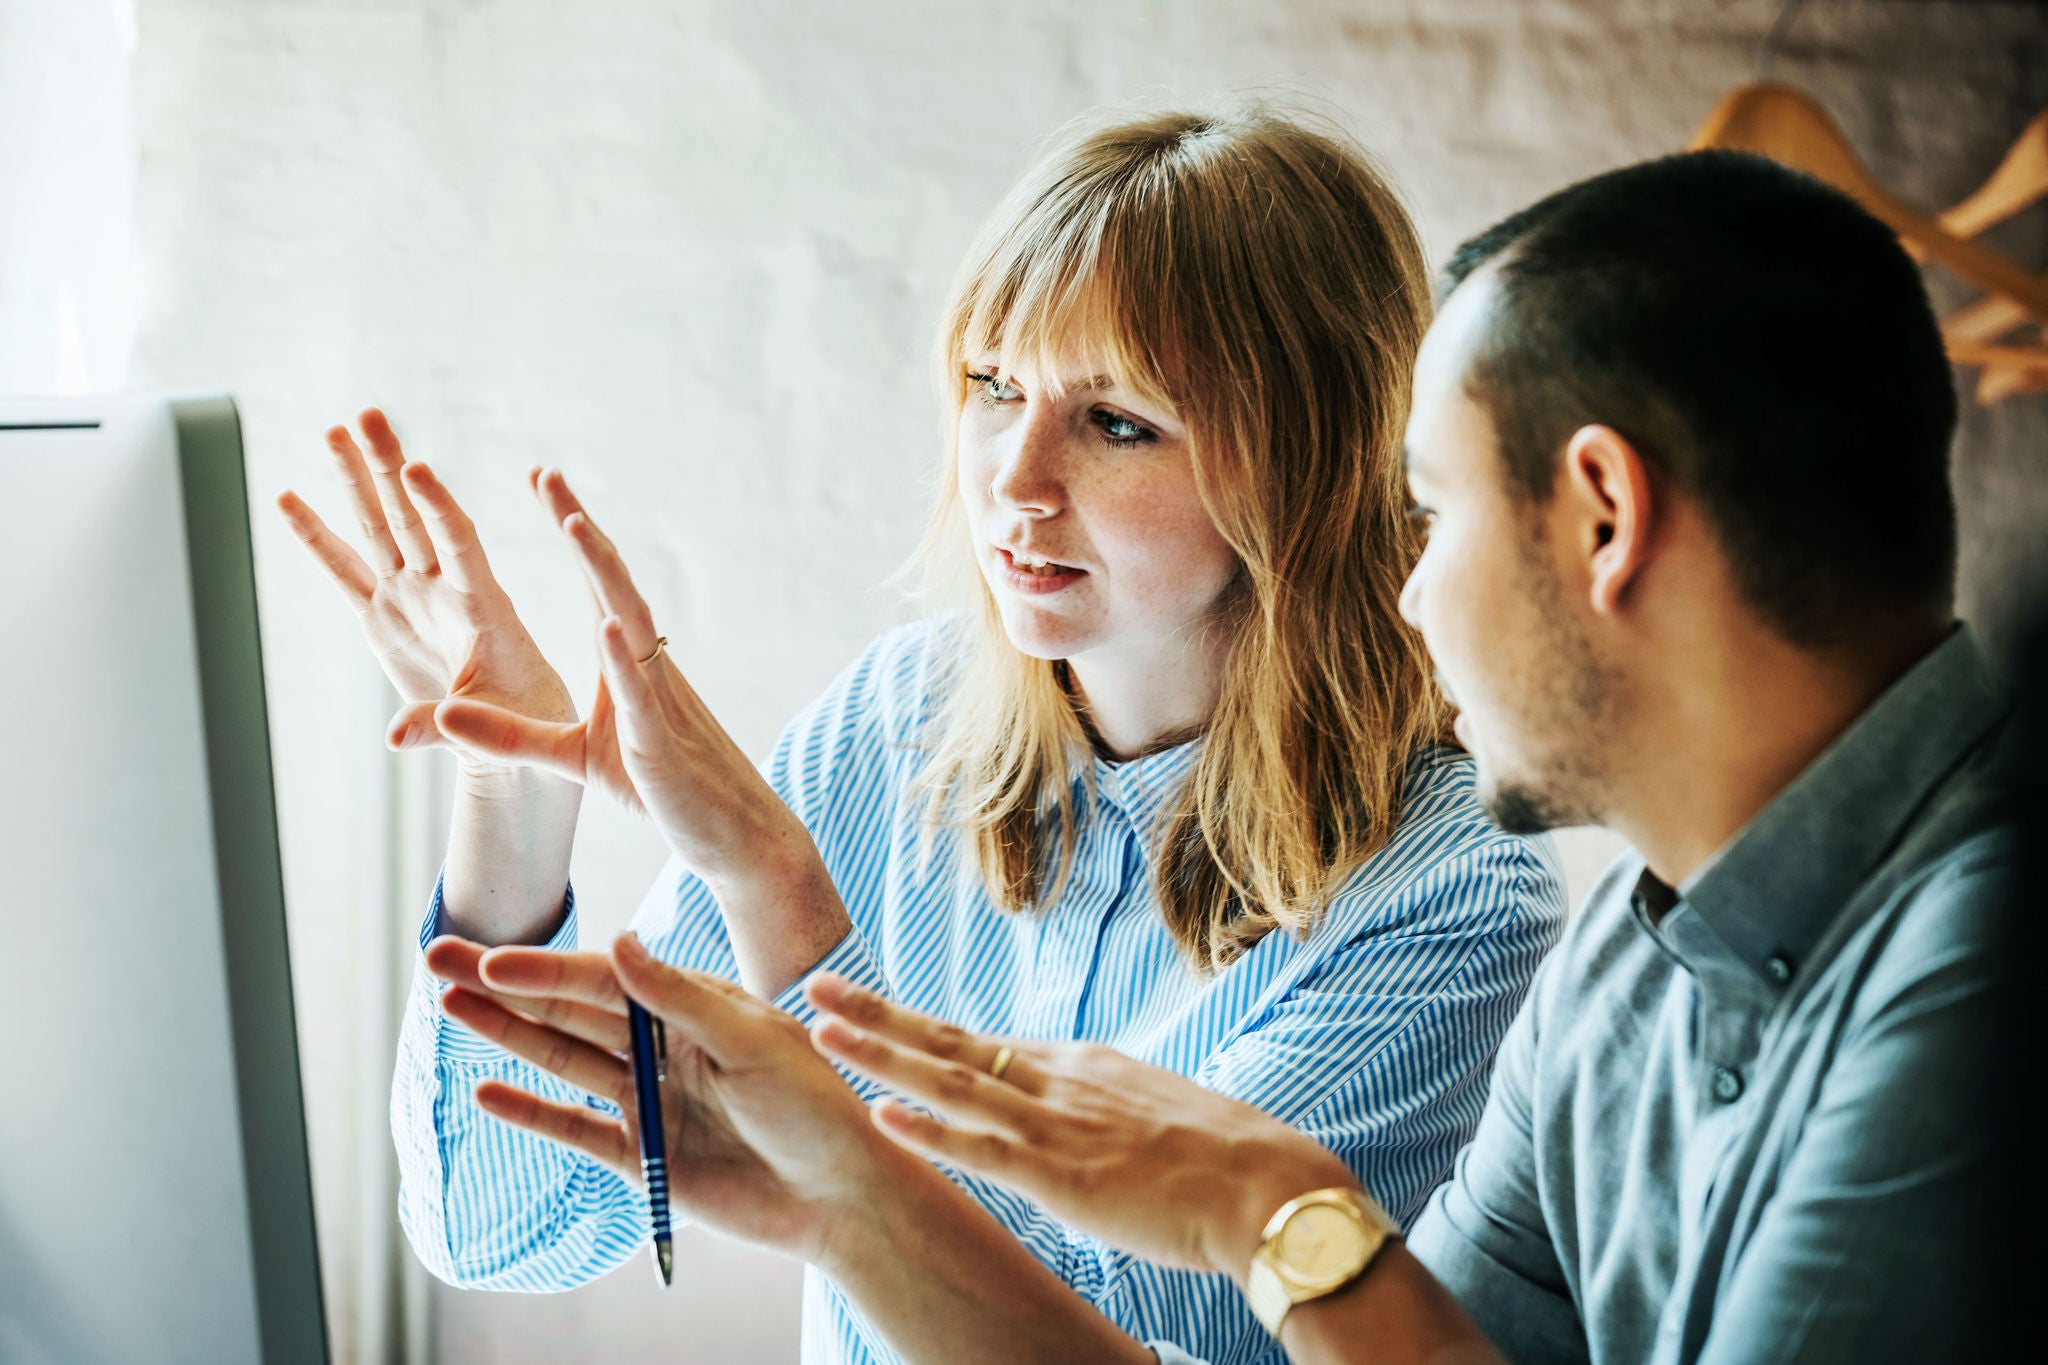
x=1745 y=1120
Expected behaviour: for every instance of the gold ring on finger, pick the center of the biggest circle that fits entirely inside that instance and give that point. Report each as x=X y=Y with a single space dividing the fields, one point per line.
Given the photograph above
x=659 y=646
x=1004 y=1056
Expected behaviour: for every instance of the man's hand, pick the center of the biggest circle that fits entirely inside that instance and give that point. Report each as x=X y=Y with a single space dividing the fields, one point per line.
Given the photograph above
x=1138 y=1156
x=766 y=1141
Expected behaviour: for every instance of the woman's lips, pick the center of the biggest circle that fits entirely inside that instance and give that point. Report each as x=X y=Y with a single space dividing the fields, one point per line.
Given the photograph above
x=1051 y=578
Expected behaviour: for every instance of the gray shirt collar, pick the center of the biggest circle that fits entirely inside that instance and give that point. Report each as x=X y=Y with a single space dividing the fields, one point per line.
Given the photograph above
x=1769 y=895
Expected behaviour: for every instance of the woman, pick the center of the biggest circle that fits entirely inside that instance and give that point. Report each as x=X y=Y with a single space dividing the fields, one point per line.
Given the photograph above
x=1173 y=782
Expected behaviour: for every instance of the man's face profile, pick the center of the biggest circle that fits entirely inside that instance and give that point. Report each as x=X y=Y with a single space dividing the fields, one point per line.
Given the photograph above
x=1487 y=595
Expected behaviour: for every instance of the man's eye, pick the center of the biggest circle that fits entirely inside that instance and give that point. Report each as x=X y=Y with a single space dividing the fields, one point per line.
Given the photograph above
x=994 y=388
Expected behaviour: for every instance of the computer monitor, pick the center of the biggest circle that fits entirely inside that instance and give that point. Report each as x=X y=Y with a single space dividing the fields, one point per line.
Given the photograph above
x=155 y=1203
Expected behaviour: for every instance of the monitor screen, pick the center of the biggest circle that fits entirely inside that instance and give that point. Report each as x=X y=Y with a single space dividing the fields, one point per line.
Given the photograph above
x=155 y=1202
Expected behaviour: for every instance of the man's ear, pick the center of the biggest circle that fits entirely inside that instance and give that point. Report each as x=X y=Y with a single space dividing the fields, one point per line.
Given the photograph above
x=1606 y=487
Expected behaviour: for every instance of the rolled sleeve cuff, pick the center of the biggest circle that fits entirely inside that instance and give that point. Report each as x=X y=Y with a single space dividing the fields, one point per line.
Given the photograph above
x=454 y=1043
x=1170 y=1354
x=851 y=959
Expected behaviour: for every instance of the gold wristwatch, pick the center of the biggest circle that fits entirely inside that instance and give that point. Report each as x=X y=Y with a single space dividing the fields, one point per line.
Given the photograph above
x=1315 y=1245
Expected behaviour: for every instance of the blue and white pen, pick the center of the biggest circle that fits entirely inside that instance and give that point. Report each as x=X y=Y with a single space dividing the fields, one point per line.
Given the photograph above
x=650 y=1069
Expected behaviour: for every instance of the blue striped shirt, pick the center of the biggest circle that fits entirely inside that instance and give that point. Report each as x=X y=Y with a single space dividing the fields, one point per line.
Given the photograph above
x=1375 y=1033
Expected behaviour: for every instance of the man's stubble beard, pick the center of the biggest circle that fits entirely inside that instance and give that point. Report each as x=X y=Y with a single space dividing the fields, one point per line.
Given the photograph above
x=1571 y=701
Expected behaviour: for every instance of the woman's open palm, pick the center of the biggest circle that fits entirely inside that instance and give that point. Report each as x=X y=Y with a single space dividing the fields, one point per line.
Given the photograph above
x=650 y=741
x=433 y=613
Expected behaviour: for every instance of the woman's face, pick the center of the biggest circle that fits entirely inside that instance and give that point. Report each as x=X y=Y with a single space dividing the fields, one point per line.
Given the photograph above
x=1085 y=519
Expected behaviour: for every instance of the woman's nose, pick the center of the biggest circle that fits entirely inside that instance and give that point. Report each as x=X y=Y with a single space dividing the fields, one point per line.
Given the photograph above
x=1028 y=475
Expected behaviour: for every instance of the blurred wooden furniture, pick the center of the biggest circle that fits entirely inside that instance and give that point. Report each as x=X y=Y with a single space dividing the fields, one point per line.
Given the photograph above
x=2002 y=334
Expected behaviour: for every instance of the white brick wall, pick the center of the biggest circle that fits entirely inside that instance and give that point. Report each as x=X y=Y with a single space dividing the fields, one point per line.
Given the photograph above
x=693 y=251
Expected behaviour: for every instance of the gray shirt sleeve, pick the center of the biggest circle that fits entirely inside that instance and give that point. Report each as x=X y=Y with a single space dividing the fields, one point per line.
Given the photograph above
x=1484 y=1235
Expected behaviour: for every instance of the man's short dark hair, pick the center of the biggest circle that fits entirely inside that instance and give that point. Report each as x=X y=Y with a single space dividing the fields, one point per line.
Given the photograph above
x=1763 y=341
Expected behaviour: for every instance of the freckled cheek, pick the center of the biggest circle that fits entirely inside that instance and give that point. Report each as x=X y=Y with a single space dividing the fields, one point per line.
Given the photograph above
x=973 y=468
x=1162 y=550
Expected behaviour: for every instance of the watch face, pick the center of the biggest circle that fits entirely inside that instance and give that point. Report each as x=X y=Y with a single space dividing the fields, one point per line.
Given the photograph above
x=1320 y=1242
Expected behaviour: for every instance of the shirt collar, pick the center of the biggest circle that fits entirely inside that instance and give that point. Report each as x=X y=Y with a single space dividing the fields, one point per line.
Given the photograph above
x=1773 y=890
x=1138 y=787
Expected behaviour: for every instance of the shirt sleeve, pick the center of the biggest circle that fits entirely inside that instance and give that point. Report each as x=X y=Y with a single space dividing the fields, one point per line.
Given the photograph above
x=1483 y=1234
x=489 y=1206
x=1876 y=1244
x=486 y=1205
x=1382 y=1055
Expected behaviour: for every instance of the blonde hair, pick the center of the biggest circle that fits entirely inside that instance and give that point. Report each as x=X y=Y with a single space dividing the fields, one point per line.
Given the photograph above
x=1264 y=280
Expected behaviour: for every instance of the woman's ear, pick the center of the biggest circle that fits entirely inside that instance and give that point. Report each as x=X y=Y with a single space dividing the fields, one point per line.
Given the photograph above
x=1608 y=507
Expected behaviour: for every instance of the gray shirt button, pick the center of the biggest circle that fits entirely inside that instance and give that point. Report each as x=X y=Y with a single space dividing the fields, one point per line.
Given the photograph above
x=1727 y=1085
x=1778 y=968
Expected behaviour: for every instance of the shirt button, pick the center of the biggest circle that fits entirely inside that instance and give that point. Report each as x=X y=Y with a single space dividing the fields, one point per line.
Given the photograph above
x=1778 y=968
x=1727 y=1085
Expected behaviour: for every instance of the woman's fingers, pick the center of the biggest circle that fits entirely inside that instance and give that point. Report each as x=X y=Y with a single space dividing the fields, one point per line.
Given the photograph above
x=581 y=1064
x=507 y=737
x=350 y=574
x=731 y=1027
x=456 y=547
x=869 y=1013
x=413 y=727
x=599 y=558
x=584 y=977
x=354 y=473
x=955 y=1088
x=626 y=676
x=572 y=1125
x=387 y=458
x=613 y=584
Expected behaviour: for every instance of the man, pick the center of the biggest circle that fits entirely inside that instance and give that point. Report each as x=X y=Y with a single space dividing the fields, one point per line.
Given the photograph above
x=1681 y=435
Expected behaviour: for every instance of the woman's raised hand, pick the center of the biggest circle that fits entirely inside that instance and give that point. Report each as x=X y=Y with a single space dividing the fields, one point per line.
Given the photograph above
x=431 y=610
x=649 y=741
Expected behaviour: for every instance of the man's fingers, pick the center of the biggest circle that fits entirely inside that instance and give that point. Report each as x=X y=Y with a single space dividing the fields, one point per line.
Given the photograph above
x=572 y=1125
x=989 y=1154
x=356 y=579
x=460 y=554
x=954 y=1088
x=581 y=1064
x=730 y=1026
x=387 y=458
x=885 y=1019
x=586 y=977
x=354 y=473
x=507 y=737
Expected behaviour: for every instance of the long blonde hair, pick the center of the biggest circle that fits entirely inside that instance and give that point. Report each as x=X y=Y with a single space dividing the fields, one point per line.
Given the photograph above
x=1263 y=279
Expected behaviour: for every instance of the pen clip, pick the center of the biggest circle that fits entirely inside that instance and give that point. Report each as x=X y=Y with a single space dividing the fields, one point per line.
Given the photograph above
x=660 y=1051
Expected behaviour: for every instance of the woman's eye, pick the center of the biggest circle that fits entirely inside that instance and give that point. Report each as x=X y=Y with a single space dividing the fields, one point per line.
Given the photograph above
x=994 y=388
x=1120 y=430
x=1423 y=517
